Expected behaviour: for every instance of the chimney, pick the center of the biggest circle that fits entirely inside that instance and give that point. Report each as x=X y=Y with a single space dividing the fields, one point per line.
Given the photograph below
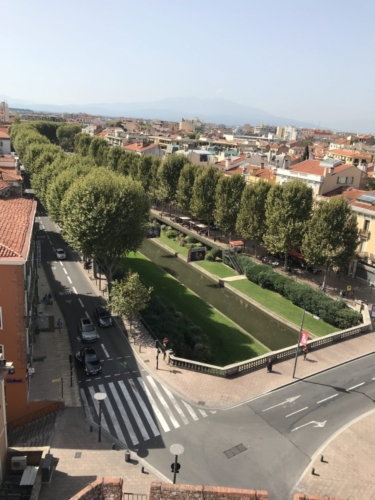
x=227 y=164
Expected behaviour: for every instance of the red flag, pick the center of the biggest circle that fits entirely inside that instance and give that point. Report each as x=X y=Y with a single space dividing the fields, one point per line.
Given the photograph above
x=304 y=337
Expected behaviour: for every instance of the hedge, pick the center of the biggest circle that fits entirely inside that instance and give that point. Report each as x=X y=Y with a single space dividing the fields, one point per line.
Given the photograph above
x=185 y=339
x=334 y=312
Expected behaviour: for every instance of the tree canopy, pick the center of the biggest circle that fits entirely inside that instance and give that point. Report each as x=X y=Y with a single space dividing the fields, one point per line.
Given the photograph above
x=203 y=201
x=168 y=176
x=185 y=185
x=228 y=201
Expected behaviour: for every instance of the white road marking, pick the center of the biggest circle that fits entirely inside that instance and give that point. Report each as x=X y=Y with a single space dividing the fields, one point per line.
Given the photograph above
x=110 y=359
x=176 y=405
x=146 y=413
x=74 y=290
x=96 y=406
x=123 y=414
x=134 y=410
x=373 y=378
x=116 y=374
x=203 y=413
x=61 y=264
x=105 y=350
x=80 y=301
x=288 y=400
x=191 y=411
x=154 y=406
x=70 y=281
x=290 y=414
x=354 y=387
x=163 y=402
x=112 y=414
x=318 y=424
x=213 y=412
x=98 y=378
x=119 y=357
x=107 y=376
x=65 y=271
x=326 y=399
x=87 y=314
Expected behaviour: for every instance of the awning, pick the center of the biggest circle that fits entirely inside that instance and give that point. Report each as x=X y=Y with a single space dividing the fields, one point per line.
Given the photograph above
x=183 y=218
x=297 y=255
x=238 y=243
x=202 y=226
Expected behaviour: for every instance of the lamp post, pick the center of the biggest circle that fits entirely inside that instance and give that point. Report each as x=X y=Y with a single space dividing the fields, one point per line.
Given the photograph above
x=100 y=396
x=176 y=450
x=299 y=341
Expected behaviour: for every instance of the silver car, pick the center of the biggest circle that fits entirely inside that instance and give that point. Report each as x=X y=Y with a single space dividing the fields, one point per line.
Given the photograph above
x=87 y=330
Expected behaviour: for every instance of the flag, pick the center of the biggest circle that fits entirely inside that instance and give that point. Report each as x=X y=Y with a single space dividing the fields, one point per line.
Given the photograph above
x=304 y=337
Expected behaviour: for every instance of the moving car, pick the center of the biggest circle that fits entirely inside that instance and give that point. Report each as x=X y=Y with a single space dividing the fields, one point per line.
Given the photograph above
x=102 y=316
x=90 y=361
x=60 y=254
x=87 y=330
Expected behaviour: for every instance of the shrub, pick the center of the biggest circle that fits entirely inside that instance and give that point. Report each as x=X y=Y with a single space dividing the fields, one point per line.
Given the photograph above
x=347 y=318
x=171 y=233
x=182 y=242
x=190 y=239
x=266 y=278
x=163 y=227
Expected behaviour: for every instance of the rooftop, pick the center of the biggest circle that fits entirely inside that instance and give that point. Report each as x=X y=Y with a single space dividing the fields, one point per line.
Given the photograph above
x=315 y=167
x=3 y=134
x=352 y=154
x=360 y=199
x=16 y=223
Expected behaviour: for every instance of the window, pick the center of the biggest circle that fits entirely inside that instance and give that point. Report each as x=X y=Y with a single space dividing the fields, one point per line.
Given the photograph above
x=366 y=225
x=342 y=180
x=350 y=180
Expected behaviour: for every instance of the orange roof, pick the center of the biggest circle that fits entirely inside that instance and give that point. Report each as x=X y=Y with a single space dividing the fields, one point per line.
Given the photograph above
x=138 y=147
x=3 y=134
x=16 y=223
x=9 y=176
x=345 y=152
x=313 y=167
x=351 y=196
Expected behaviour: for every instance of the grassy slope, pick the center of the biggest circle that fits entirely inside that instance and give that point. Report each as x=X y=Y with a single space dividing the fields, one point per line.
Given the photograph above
x=228 y=343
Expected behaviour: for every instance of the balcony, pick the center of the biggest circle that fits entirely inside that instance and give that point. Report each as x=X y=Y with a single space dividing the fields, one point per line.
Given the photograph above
x=363 y=255
x=364 y=233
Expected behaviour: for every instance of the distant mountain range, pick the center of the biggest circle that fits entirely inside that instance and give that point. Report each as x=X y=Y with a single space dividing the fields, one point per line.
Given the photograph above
x=172 y=109
x=213 y=110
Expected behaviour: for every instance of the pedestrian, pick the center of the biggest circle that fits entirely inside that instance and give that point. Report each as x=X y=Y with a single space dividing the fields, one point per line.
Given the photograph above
x=269 y=365
x=49 y=299
x=59 y=325
x=305 y=351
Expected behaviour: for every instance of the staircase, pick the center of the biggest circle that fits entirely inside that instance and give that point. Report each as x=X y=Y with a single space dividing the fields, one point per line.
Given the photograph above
x=233 y=262
x=37 y=433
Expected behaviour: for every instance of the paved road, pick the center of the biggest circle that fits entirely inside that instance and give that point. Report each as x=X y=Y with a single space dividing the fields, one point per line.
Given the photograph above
x=269 y=441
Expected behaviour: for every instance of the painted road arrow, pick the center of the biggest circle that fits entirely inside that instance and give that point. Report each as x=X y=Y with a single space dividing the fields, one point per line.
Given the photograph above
x=289 y=400
x=318 y=424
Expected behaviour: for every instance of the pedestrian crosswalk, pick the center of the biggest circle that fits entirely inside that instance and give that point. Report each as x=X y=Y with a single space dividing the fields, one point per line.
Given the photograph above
x=139 y=409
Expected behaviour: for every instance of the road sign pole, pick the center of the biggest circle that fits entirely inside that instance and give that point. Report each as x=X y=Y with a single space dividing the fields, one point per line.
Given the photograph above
x=100 y=421
x=299 y=341
x=175 y=469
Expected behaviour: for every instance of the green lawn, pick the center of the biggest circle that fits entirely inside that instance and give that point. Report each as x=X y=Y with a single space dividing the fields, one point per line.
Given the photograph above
x=283 y=307
x=228 y=343
x=217 y=268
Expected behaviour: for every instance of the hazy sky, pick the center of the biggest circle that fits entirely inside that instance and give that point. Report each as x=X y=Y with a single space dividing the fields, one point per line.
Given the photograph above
x=311 y=60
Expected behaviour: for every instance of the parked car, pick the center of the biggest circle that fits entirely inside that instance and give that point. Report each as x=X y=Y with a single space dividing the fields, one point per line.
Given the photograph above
x=102 y=316
x=90 y=361
x=60 y=254
x=87 y=330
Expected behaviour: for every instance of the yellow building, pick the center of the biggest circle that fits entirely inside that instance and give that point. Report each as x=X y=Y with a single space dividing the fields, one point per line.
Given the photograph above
x=349 y=157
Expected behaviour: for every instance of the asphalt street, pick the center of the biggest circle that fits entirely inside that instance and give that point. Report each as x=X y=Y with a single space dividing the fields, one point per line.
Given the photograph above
x=263 y=444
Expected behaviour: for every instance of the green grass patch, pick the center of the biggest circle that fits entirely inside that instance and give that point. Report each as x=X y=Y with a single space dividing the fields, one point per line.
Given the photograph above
x=228 y=343
x=173 y=245
x=217 y=268
x=283 y=307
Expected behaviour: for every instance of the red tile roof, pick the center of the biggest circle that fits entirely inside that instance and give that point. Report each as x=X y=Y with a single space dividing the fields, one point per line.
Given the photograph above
x=3 y=134
x=351 y=196
x=16 y=223
x=352 y=154
x=313 y=167
x=138 y=147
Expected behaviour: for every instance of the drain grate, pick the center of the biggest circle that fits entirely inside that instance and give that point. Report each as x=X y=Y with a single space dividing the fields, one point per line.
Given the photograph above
x=236 y=450
x=78 y=454
x=202 y=403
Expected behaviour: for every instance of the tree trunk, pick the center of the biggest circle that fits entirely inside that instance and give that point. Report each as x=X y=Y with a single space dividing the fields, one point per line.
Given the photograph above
x=286 y=261
x=325 y=276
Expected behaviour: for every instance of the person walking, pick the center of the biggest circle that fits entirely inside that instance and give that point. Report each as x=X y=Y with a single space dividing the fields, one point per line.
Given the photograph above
x=59 y=324
x=45 y=299
x=305 y=351
x=49 y=299
x=269 y=365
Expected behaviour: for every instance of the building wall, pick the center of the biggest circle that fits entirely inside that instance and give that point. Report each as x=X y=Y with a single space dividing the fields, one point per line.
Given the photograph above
x=188 y=125
x=5 y=146
x=3 y=430
x=353 y=178
x=13 y=337
x=4 y=112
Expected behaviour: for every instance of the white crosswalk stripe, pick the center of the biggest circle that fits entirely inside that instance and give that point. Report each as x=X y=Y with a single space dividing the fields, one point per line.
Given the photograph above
x=112 y=414
x=123 y=414
x=163 y=402
x=134 y=410
x=137 y=409
x=176 y=405
x=146 y=413
x=157 y=412
x=190 y=410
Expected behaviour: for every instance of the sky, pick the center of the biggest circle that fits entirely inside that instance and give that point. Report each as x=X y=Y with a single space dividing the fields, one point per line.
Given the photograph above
x=310 y=60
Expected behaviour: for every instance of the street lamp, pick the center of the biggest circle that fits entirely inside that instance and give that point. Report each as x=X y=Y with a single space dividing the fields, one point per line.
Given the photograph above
x=100 y=396
x=176 y=450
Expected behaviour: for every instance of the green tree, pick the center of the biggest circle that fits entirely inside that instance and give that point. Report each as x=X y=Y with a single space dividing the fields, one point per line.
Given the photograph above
x=370 y=184
x=48 y=156
x=168 y=176
x=306 y=153
x=203 y=201
x=82 y=144
x=144 y=171
x=185 y=185
x=332 y=235
x=288 y=210
x=129 y=297
x=105 y=215
x=99 y=151
x=251 y=220
x=24 y=137
x=228 y=201
x=17 y=120
x=65 y=135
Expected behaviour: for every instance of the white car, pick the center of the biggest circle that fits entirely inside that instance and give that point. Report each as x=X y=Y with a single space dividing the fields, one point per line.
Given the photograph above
x=60 y=254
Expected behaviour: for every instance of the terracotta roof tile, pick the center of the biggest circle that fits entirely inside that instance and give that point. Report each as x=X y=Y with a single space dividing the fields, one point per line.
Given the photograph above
x=16 y=222
x=352 y=154
x=3 y=134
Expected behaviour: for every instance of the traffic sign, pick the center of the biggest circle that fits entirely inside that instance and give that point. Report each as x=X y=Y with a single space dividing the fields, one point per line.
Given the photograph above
x=348 y=288
x=178 y=467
